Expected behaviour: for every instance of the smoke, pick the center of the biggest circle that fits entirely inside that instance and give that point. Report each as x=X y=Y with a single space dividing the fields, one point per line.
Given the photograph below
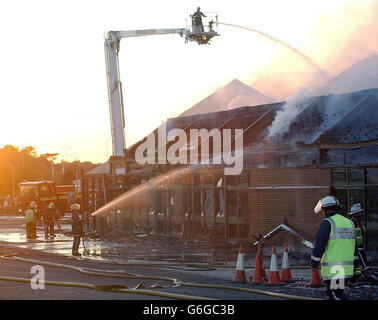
x=290 y=110
x=356 y=37
x=295 y=105
x=338 y=38
x=344 y=39
x=324 y=113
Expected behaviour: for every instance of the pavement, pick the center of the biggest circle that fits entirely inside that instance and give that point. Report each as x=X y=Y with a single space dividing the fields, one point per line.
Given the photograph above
x=138 y=254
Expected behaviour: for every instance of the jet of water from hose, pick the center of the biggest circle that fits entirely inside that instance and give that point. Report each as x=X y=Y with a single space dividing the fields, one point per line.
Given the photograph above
x=306 y=58
x=121 y=201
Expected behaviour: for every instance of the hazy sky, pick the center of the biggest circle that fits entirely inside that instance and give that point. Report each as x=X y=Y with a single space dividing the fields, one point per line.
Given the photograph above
x=53 y=81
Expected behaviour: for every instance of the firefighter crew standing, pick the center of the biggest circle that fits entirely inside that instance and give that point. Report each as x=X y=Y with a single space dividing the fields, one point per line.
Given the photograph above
x=77 y=228
x=335 y=248
x=31 y=228
x=355 y=214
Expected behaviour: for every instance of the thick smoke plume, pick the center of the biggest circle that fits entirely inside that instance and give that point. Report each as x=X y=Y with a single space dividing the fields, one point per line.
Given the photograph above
x=355 y=40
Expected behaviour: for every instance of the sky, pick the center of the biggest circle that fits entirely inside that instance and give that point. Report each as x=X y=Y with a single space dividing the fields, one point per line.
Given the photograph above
x=53 y=78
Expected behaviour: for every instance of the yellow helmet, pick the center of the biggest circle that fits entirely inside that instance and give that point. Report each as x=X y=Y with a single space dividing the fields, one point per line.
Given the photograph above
x=75 y=206
x=51 y=205
x=33 y=205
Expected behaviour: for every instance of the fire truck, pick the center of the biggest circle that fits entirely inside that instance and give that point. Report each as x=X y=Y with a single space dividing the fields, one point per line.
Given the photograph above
x=44 y=192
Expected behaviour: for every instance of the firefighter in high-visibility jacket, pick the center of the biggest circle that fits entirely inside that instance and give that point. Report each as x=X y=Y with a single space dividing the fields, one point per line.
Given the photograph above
x=335 y=248
x=355 y=215
x=31 y=228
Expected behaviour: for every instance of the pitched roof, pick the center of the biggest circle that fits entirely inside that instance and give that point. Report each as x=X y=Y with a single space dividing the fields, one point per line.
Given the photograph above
x=103 y=168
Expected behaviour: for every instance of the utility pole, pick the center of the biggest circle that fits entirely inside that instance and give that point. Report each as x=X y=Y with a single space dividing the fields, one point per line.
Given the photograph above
x=76 y=168
x=13 y=174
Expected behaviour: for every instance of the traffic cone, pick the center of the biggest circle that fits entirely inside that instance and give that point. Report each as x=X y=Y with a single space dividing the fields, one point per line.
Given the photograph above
x=285 y=272
x=240 y=267
x=315 y=279
x=274 y=276
x=263 y=271
x=258 y=270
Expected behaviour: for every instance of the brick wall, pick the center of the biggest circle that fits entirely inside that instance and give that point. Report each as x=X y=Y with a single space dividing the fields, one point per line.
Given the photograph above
x=286 y=196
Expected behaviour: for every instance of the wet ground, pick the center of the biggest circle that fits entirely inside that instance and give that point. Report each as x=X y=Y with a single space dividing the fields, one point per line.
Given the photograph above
x=140 y=253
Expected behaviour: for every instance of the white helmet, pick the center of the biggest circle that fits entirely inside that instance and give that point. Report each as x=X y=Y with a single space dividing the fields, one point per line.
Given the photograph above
x=75 y=206
x=329 y=201
x=356 y=208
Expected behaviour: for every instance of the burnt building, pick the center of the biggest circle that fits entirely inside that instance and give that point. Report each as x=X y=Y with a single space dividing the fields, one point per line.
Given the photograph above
x=330 y=146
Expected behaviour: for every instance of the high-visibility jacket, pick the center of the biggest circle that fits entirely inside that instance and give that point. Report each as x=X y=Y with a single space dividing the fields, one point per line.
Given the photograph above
x=29 y=216
x=358 y=232
x=338 y=258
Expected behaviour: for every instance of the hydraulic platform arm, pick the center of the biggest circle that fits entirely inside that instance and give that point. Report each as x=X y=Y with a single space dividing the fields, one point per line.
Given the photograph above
x=112 y=46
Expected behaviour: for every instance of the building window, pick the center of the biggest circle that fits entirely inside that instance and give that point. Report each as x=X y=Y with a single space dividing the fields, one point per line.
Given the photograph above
x=342 y=196
x=372 y=176
x=372 y=204
x=339 y=177
x=43 y=191
x=356 y=196
x=356 y=176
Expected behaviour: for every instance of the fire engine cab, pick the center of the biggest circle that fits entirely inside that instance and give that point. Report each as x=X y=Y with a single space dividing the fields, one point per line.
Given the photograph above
x=44 y=192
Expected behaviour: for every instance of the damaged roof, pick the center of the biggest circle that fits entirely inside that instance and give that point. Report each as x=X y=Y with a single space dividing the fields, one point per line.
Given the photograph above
x=359 y=125
x=335 y=118
x=338 y=120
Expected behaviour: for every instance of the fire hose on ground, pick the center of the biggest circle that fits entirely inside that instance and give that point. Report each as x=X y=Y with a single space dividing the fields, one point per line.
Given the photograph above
x=128 y=275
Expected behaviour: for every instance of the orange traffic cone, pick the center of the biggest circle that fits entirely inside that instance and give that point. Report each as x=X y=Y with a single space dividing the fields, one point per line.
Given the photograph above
x=285 y=272
x=263 y=272
x=274 y=276
x=258 y=270
x=240 y=267
x=315 y=279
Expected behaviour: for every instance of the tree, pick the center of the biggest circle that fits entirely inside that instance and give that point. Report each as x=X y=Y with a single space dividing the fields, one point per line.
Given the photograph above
x=26 y=165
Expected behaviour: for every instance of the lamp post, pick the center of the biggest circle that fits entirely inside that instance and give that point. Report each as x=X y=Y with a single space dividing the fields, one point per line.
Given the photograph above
x=13 y=173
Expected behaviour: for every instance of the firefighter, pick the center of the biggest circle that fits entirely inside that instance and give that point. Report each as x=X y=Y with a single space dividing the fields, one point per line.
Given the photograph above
x=335 y=248
x=356 y=214
x=49 y=217
x=31 y=228
x=77 y=228
x=197 y=25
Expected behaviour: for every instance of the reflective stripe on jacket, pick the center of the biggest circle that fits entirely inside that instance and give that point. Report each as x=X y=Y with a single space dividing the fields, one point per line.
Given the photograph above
x=338 y=258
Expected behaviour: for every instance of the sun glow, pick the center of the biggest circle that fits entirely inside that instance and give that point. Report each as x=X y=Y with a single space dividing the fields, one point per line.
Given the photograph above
x=53 y=76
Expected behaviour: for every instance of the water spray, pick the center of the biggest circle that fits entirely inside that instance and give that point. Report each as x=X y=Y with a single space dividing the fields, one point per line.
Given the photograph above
x=145 y=186
x=296 y=51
